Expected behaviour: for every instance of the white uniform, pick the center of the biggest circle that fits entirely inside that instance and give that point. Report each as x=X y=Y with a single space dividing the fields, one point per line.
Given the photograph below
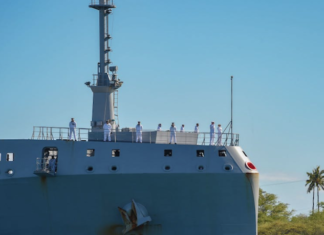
x=159 y=128
x=139 y=129
x=173 y=130
x=72 y=127
x=196 y=129
x=107 y=131
x=219 y=134
x=212 y=134
x=182 y=129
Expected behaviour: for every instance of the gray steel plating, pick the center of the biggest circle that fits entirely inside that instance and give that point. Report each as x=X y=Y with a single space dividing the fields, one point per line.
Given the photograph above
x=183 y=193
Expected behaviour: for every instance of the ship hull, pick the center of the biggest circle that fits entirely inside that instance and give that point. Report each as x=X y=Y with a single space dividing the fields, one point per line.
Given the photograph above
x=178 y=204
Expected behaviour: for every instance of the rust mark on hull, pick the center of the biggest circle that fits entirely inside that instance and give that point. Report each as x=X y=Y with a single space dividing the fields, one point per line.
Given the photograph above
x=43 y=180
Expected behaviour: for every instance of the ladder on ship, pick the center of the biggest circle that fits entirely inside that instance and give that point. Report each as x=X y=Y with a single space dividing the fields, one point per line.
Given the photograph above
x=116 y=108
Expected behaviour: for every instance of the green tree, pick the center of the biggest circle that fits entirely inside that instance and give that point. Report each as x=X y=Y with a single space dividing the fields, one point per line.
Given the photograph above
x=315 y=180
x=311 y=185
x=270 y=209
x=321 y=204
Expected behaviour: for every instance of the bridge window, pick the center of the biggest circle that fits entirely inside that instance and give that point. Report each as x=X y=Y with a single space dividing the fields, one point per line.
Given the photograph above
x=245 y=154
x=115 y=153
x=168 y=153
x=90 y=152
x=200 y=153
x=10 y=157
x=222 y=153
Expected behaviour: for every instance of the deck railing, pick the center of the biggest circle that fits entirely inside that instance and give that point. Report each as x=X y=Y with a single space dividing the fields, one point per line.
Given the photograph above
x=148 y=136
x=61 y=133
x=105 y=2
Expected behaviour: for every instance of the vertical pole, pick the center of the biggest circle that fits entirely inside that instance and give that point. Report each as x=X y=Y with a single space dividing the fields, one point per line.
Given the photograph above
x=232 y=111
x=102 y=38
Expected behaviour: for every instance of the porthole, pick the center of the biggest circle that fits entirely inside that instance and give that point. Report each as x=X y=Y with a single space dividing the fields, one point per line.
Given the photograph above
x=167 y=168
x=201 y=168
x=10 y=172
x=90 y=169
x=228 y=167
x=114 y=168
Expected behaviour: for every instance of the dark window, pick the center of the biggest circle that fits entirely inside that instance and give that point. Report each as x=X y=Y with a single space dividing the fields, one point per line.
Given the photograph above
x=245 y=154
x=168 y=153
x=48 y=154
x=90 y=152
x=10 y=157
x=115 y=153
x=200 y=153
x=222 y=153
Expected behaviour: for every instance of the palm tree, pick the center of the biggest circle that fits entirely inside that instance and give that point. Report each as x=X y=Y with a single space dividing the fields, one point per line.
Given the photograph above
x=319 y=183
x=311 y=184
x=315 y=180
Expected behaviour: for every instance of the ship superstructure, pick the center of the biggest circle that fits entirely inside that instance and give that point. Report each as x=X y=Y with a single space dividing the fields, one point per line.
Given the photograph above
x=123 y=187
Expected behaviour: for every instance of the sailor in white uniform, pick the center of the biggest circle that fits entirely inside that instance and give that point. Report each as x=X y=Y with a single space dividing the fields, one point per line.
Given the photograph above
x=182 y=128
x=197 y=128
x=139 y=129
x=107 y=131
x=219 y=134
x=212 y=134
x=159 y=127
x=173 y=130
x=52 y=164
x=72 y=126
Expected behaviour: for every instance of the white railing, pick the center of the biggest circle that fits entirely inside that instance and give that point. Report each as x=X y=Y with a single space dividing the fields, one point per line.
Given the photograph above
x=105 y=2
x=42 y=164
x=148 y=136
x=61 y=133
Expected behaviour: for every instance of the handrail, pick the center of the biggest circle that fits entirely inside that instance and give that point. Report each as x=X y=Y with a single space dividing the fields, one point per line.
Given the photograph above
x=105 y=2
x=148 y=136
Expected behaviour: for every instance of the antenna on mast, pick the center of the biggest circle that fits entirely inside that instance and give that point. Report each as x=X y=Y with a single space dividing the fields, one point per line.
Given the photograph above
x=232 y=143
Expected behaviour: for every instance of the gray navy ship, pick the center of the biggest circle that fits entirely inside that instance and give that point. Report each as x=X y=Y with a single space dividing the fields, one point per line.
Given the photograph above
x=124 y=187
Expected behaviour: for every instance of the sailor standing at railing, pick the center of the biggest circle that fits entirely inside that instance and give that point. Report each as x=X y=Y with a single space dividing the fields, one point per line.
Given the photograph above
x=219 y=134
x=212 y=133
x=139 y=129
x=107 y=131
x=182 y=128
x=72 y=127
x=173 y=130
x=159 y=127
x=197 y=128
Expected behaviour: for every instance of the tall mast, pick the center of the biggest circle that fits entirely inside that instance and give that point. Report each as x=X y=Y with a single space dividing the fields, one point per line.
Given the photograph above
x=104 y=82
x=232 y=143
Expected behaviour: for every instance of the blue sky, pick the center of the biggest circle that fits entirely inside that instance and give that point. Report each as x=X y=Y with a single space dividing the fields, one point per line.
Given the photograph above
x=176 y=58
